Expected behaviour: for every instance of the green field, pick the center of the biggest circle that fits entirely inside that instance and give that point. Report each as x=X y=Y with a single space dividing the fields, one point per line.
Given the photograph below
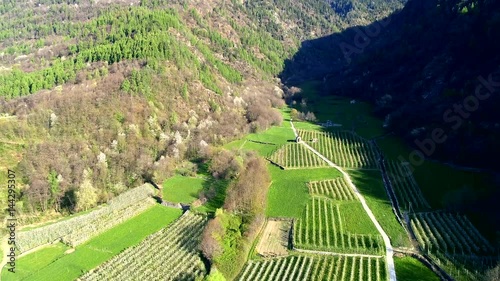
x=355 y=218
x=274 y=137
x=336 y=226
x=246 y=145
x=410 y=269
x=335 y=189
x=181 y=189
x=277 y=135
x=370 y=184
x=289 y=194
x=296 y=156
x=304 y=125
x=343 y=148
x=94 y=252
x=35 y=261
x=340 y=111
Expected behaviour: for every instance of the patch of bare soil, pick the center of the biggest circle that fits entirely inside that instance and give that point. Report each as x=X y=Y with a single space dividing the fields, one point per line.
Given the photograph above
x=274 y=239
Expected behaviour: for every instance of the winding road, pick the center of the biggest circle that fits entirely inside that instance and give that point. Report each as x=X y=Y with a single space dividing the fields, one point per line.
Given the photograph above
x=388 y=247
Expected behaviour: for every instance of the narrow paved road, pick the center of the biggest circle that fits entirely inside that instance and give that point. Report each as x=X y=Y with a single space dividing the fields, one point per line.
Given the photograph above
x=388 y=247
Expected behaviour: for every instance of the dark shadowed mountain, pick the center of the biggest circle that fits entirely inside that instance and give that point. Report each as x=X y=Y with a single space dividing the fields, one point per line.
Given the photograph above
x=431 y=67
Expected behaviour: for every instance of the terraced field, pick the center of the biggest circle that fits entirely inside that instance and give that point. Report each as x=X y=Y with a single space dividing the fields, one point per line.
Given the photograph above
x=304 y=267
x=342 y=148
x=169 y=254
x=58 y=262
x=77 y=230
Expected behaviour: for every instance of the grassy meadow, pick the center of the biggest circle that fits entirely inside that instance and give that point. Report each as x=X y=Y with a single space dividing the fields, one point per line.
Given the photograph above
x=182 y=189
x=52 y=263
x=409 y=269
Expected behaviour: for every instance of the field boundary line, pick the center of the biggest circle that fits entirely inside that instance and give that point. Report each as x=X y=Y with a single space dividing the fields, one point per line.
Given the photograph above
x=388 y=247
x=335 y=254
x=260 y=142
x=257 y=240
x=243 y=144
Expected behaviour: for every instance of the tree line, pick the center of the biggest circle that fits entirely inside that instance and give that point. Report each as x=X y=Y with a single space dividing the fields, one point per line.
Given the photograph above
x=227 y=238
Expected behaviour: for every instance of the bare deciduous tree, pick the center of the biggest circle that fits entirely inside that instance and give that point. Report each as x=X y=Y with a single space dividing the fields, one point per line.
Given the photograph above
x=210 y=245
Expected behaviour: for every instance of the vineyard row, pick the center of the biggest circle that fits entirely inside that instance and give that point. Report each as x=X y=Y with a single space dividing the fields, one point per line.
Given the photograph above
x=315 y=268
x=343 y=148
x=321 y=228
x=77 y=230
x=169 y=254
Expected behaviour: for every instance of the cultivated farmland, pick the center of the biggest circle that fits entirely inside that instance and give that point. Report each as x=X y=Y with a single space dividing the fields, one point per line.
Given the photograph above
x=454 y=243
x=80 y=229
x=343 y=148
x=274 y=239
x=336 y=189
x=449 y=233
x=404 y=185
x=302 y=267
x=296 y=156
x=322 y=227
x=169 y=254
x=55 y=264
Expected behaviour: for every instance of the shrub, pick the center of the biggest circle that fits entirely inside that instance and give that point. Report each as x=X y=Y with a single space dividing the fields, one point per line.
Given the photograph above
x=228 y=237
x=210 y=244
x=248 y=194
x=225 y=165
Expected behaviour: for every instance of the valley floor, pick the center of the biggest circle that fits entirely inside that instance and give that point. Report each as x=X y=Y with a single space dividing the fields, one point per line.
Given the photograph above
x=388 y=247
